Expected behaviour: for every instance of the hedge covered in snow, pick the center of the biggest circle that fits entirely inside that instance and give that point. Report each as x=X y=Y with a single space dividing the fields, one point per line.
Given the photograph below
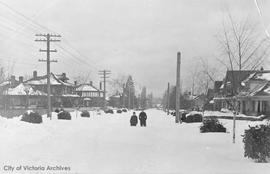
x=193 y=117
x=32 y=117
x=85 y=113
x=64 y=115
x=257 y=142
x=109 y=111
x=211 y=125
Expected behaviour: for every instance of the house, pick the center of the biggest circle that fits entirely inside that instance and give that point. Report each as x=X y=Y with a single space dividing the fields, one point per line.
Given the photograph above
x=89 y=95
x=229 y=88
x=63 y=93
x=254 y=98
x=4 y=86
x=24 y=96
x=250 y=89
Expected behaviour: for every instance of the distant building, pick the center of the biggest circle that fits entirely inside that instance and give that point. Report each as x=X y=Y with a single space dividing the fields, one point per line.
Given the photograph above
x=26 y=96
x=90 y=95
x=62 y=92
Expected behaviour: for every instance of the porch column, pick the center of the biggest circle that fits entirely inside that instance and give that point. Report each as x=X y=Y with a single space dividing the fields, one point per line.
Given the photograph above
x=261 y=106
x=256 y=106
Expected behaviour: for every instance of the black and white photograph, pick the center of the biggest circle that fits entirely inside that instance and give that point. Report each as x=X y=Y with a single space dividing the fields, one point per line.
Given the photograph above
x=134 y=86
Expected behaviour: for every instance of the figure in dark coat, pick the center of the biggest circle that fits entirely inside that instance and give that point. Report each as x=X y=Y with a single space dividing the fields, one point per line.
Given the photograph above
x=143 y=118
x=133 y=120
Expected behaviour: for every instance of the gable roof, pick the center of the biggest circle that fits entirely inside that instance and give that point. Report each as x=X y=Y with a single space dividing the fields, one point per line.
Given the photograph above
x=234 y=79
x=262 y=88
x=259 y=75
x=87 y=88
x=237 y=76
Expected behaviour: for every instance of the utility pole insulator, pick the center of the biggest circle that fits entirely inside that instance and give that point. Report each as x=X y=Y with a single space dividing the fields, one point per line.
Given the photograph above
x=41 y=50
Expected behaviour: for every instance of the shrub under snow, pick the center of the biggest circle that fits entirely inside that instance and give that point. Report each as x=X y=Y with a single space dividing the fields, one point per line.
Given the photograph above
x=193 y=117
x=212 y=125
x=32 y=117
x=257 y=142
x=64 y=115
x=85 y=113
x=109 y=111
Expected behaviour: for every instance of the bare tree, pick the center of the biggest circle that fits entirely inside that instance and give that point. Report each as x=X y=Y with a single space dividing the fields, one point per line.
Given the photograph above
x=117 y=83
x=2 y=74
x=242 y=46
x=83 y=78
x=203 y=76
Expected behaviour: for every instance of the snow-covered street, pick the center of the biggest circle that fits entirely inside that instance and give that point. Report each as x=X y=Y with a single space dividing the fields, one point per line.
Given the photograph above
x=107 y=144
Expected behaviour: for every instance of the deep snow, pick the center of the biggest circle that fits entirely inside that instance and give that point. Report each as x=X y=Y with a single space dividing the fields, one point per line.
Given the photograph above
x=107 y=144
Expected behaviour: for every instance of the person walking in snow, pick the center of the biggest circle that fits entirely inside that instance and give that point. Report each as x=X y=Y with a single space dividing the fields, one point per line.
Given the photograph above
x=133 y=120
x=143 y=118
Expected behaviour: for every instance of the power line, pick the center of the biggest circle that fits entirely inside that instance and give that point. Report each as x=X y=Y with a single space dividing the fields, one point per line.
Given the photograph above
x=46 y=28
x=34 y=23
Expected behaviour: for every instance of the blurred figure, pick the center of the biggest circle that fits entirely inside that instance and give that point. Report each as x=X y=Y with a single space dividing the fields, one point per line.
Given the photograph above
x=134 y=120
x=143 y=118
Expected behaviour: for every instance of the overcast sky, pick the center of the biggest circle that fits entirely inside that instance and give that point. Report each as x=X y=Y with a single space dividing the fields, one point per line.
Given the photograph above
x=136 y=37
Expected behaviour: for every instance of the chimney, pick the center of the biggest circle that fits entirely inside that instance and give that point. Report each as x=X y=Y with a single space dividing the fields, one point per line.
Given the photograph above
x=12 y=81
x=34 y=74
x=75 y=83
x=100 y=85
x=21 y=79
x=91 y=83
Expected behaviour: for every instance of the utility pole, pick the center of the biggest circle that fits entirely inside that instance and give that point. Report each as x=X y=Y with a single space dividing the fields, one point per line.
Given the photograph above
x=124 y=93
x=177 y=107
x=129 y=107
x=104 y=75
x=48 y=40
x=168 y=99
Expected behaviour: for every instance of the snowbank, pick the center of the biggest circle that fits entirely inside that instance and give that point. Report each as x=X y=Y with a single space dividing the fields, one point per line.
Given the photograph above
x=229 y=115
x=107 y=144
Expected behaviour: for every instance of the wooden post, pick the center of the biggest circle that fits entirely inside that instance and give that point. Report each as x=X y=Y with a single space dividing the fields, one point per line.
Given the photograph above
x=168 y=99
x=177 y=107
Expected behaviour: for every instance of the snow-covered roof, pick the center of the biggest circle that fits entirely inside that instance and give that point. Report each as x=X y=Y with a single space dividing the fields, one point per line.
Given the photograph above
x=5 y=83
x=222 y=86
x=22 y=89
x=86 y=88
x=263 y=76
x=116 y=96
x=43 y=81
x=70 y=95
x=260 y=75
